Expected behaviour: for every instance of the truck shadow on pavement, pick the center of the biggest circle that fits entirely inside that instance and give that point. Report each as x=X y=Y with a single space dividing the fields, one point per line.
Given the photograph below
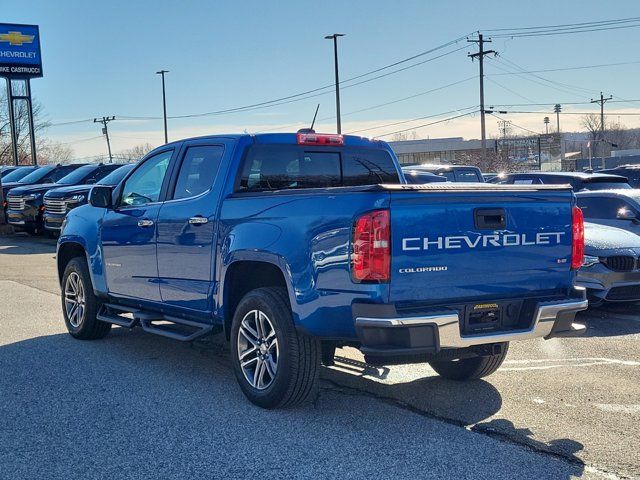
x=468 y=404
x=165 y=409
x=611 y=320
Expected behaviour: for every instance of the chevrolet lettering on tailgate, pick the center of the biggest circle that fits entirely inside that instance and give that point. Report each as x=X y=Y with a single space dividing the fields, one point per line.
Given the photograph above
x=494 y=240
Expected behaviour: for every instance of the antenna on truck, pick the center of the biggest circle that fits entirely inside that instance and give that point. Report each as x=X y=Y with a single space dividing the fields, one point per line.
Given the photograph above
x=313 y=122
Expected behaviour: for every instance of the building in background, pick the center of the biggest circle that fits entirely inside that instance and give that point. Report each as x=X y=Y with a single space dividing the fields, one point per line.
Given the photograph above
x=453 y=150
x=509 y=154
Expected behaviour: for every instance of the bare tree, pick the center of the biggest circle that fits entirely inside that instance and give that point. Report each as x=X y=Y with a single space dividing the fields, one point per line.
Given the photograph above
x=591 y=123
x=403 y=136
x=135 y=153
x=22 y=128
x=53 y=152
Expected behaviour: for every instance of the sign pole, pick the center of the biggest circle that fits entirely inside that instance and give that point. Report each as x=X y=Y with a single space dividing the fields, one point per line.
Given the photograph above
x=32 y=130
x=12 y=122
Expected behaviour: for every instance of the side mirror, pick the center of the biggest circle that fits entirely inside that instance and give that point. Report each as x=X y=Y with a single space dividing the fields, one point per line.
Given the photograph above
x=101 y=196
x=625 y=214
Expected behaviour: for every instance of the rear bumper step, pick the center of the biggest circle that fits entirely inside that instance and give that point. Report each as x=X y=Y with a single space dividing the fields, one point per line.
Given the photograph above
x=397 y=335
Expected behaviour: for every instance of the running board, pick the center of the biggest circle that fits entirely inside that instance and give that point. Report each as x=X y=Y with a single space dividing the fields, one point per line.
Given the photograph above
x=108 y=313
x=112 y=313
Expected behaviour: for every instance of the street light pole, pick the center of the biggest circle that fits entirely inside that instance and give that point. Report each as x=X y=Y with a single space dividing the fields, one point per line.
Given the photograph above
x=164 y=105
x=334 y=37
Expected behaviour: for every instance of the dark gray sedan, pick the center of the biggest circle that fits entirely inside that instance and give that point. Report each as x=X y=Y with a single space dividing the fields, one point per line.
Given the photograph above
x=611 y=268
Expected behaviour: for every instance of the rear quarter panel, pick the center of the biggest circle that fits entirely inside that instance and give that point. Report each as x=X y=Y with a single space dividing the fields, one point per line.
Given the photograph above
x=308 y=234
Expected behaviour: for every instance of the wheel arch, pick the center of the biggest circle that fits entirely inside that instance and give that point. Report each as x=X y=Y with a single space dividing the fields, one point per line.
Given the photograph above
x=66 y=252
x=244 y=275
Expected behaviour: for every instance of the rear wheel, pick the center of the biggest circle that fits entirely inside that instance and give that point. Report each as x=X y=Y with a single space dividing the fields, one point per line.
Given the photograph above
x=274 y=364
x=470 y=368
x=79 y=304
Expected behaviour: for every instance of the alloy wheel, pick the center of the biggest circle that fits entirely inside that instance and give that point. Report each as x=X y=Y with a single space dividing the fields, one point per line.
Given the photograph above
x=258 y=351
x=74 y=300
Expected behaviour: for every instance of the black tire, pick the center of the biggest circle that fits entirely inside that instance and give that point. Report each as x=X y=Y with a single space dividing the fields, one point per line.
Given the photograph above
x=470 y=368
x=298 y=356
x=88 y=327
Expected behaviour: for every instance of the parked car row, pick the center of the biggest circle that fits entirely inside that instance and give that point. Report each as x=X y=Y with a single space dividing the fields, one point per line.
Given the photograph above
x=36 y=199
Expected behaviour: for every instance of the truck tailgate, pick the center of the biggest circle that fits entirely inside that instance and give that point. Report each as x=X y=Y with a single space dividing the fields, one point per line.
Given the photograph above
x=452 y=243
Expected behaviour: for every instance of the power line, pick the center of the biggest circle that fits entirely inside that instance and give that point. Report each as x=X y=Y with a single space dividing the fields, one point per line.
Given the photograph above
x=515 y=124
x=474 y=107
x=563 y=32
x=510 y=90
x=581 y=67
x=592 y=23
x=584 y=27
x=564 y=85
x=299 y=98
x=545 y=82
x=372 y=107
x=426 y=124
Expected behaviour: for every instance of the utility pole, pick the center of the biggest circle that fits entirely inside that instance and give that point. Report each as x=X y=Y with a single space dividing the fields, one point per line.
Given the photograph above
x=105 y=131
x=602 y=101
x=557 y=108
x=335 y=59
x=546 y=124
x=164 y=105
x=480 y=56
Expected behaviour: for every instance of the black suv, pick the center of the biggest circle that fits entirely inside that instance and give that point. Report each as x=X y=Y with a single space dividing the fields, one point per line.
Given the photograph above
x=577 y=180
x=25 y=203
x=59 y=201
x=631 y=172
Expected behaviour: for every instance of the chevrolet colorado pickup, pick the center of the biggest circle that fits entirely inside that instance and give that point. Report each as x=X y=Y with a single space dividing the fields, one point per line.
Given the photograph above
x=295 y=244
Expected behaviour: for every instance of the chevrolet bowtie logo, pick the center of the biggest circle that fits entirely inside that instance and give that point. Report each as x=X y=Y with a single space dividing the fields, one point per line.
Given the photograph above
x=16 y=38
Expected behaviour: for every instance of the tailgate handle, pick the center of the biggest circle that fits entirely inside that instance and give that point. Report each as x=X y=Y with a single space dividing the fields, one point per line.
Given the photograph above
x=489 y=218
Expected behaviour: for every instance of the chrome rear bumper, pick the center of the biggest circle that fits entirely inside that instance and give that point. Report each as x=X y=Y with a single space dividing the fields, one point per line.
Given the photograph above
x=447 y=325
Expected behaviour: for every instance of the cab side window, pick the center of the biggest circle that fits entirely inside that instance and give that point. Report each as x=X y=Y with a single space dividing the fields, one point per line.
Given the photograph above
x=198 y=171
x=145 y=183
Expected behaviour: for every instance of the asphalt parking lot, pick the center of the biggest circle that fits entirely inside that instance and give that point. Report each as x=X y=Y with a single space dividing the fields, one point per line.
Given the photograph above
x=139 y=406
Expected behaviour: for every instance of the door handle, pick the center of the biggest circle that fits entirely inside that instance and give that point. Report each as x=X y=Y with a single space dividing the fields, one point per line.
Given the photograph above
x=198 y=220
x=144 y=223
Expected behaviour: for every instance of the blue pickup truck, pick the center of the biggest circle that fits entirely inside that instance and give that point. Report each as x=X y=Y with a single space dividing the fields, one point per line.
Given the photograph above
x=295 y=244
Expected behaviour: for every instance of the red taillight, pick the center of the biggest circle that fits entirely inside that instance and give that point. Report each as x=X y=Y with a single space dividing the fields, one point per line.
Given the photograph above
x=320 y=139
x=371 y=259
x=577 y=242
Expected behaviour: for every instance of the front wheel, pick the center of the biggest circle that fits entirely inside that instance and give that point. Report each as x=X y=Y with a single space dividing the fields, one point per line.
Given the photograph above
x=274 y=364
x=470 y=368
x=79 y=304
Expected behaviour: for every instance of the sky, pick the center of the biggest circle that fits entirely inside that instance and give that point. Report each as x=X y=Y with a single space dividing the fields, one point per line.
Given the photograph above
x=100 y=58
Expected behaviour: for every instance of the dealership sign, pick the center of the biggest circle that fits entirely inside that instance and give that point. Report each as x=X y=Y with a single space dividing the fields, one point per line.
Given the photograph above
x=20 y=51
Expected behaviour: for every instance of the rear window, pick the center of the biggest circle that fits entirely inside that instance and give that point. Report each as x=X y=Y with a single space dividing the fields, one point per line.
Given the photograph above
x=468 y=175
x=604 y=185
x=283 y=167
